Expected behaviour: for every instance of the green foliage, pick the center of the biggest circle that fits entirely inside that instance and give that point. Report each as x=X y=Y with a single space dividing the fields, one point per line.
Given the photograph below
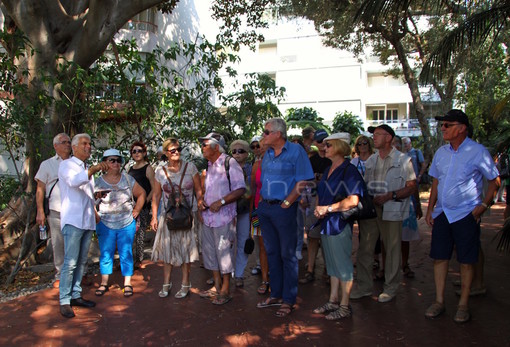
x=484 y=84
x=347 y=122
x=300 y=118
x=8 y=187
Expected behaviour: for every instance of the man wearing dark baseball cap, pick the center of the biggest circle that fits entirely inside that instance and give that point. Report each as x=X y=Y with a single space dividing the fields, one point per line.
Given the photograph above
x=320 y=135
x=384 y=127
x=454 y=115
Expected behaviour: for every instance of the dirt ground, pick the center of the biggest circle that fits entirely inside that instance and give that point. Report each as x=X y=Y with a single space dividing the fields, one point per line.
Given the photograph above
x=147 y=320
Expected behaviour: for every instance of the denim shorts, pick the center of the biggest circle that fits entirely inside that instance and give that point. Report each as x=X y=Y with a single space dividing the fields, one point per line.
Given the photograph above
x=464 y=234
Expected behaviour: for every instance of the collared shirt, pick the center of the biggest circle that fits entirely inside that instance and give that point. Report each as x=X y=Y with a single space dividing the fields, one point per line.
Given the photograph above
x=216 y=188
x=48 y=174
x=77 y=193
x=281 y=173
x=344 y=181
x=417 y=159
x=460 y=174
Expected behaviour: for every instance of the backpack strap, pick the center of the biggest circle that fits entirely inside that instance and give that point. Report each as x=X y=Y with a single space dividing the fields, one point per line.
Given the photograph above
x=227 y=171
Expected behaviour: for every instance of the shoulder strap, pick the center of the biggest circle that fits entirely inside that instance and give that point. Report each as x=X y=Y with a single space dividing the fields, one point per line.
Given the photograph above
x=51 y=190
x=227 y=171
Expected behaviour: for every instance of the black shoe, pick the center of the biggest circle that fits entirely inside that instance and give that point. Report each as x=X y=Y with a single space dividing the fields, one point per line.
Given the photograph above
x=66 y=311
x=82 y=302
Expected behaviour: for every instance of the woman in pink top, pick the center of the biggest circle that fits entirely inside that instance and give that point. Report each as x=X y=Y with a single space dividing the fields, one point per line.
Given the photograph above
x=256 y=184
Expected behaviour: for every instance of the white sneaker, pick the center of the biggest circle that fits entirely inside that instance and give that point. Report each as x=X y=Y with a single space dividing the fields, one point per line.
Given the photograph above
x=385 y=297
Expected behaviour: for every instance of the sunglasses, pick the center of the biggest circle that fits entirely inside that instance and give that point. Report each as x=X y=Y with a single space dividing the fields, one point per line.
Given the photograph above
x=178 y=149
x=267 y=132
x=362 y=144
x=254 y=146
x=114 y=160
x=448 y=125
x=238 y=151
x=328 y=144
x=134 y=151
x=65 y=142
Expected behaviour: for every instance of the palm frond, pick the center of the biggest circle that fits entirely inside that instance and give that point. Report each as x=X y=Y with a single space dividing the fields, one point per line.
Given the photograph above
x=475 y=30
x=504 y=237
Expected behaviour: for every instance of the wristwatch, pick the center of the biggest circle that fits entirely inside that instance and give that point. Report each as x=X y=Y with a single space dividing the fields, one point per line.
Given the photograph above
x=394 y=196
x=286 y=203
x=330 y=209
x=223 y=202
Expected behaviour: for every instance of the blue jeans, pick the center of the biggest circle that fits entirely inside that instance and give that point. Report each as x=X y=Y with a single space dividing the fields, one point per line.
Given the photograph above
x=123 y=239
x=243 y=233
x=279 y=227
x=76 y=249
x=300 y=229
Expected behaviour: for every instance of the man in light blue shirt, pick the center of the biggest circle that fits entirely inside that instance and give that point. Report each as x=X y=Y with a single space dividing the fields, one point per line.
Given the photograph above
x=285 y=170
x=455 y=206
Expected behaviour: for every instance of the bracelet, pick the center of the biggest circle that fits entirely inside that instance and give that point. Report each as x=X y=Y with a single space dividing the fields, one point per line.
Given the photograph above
x=485 y=205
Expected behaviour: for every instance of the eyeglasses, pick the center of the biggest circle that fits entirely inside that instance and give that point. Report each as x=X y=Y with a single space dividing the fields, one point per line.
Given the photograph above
x=64 y=142
x=114 y=160
x=238 y=151
x=134 y=151
x=448 y=125
x=254 y=146
x=267 y=132
x=329 y=144
x=362 y=144
x=178 y=149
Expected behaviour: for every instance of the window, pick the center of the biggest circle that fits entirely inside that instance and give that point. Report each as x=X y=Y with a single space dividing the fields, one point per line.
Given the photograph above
x=144 y=21
x=385 y=116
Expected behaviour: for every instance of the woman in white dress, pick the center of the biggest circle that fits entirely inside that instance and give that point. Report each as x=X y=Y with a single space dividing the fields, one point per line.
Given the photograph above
x=174 y=247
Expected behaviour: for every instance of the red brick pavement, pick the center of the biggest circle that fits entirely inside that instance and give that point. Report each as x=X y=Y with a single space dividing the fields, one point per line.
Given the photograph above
x=147 y=320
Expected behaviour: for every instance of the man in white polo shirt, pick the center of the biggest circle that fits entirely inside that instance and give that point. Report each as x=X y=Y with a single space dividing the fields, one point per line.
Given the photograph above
x=47 y=186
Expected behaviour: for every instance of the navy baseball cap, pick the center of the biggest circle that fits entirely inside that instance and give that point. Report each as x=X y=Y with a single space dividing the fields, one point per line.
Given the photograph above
x=320 y=135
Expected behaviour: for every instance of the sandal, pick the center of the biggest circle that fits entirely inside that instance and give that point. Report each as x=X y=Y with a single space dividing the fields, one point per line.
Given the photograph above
x=221 y=299
x=309 y=277
x=270 y=302
x=327 y=307
x=408 y=272
x=284 y=310
x=183 y=292
x=434 y=310
x=462 y=315
x=343 y=311
x=100 y=292
x=263 y=288
x=128 y=293
x=209 y=293
x=163 y=293
x=239 y=282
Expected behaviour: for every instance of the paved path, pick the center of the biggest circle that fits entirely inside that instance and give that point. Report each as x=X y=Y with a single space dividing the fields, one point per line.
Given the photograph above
x=147 y=320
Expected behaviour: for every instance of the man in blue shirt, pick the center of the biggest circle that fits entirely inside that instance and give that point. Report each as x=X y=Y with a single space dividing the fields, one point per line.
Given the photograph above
x=455 y=206
x=285 y=170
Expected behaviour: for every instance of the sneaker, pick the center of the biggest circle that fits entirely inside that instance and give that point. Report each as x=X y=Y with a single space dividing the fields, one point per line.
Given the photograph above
x=256 y=270
x=299 y=255
x=385 y=297
x=358 y=294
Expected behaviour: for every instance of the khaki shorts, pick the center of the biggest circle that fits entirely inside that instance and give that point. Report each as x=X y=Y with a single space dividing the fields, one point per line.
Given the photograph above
x=218 y=247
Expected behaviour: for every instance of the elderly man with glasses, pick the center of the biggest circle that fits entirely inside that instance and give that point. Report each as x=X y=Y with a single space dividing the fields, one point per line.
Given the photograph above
x=456 y=206
x=390 y=180
x=219 y=213
x=285 y=170
x=47 y=186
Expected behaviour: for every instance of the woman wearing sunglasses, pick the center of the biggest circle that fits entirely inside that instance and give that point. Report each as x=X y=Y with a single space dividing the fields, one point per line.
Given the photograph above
x=341 y=179
x=143 y=173
x=240 y=151
x=176 y=247
x=363 y=149
x=117 y=213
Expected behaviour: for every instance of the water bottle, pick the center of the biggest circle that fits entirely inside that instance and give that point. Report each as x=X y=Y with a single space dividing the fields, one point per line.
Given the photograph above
x=43 y=235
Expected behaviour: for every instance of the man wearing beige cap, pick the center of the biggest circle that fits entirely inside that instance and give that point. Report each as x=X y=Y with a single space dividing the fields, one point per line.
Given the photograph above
x=391 y=181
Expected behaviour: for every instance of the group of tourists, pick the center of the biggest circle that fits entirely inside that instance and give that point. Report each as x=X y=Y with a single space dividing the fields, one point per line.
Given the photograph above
x=289 y=188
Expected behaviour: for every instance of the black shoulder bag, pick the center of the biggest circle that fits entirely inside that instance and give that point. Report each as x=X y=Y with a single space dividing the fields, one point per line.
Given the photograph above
x=178 y=213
